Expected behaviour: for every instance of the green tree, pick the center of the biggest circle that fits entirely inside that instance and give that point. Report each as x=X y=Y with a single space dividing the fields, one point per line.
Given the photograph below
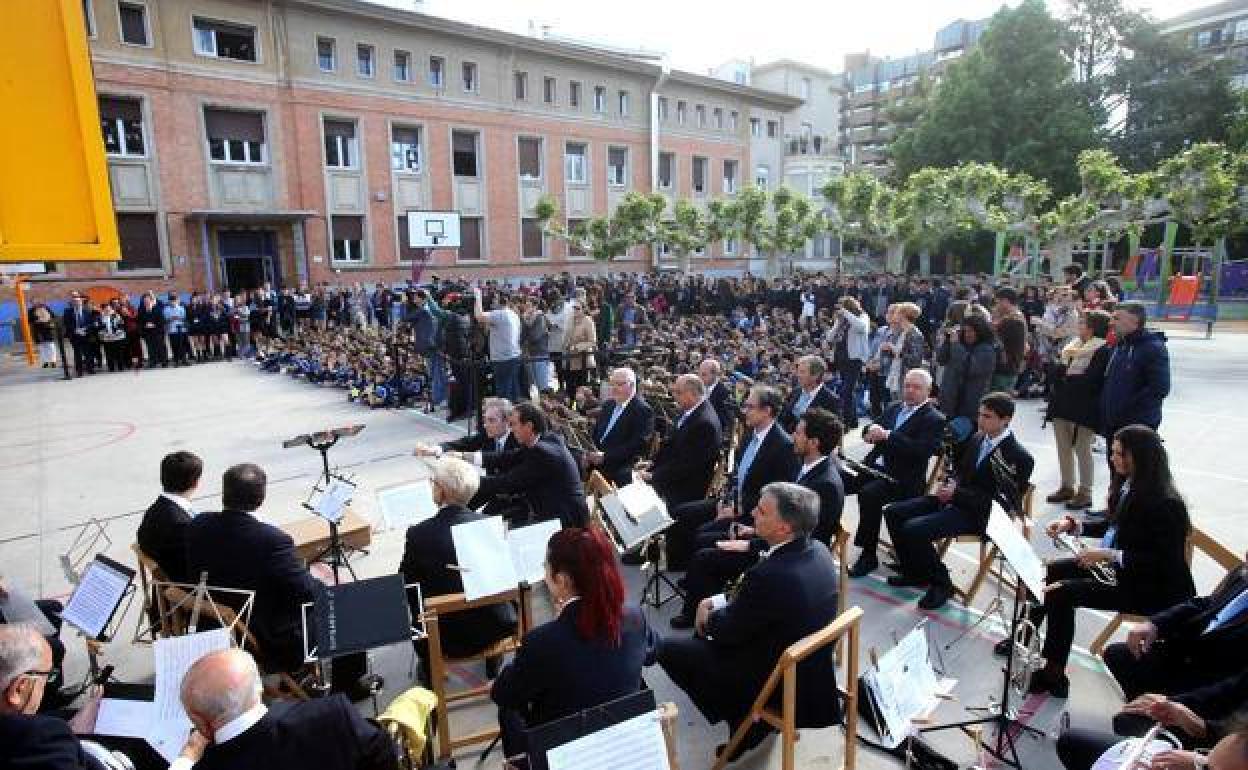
x=776 y=224
x=1012 y=101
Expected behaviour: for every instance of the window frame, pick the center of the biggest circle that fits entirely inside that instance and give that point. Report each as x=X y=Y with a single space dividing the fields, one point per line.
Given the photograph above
x=420 y=147
x=585 y=180
x=358 y=259
x=247 y=159
x=141 y=5
x=120 y=128
x=162 y=269
x=333 y=54
x=622 y=182
x=730 y=184
x=623 y=102
x=406 y=58
x=682 y=112
x=705 y=163
x=88 y=19
x=481 y=233
x=541 y=158
x=661 y=108
x=600 y=100
x=360 y=49
x=530 y=257
x=466 y=67
x=672 y=167
x=575 y=92
x=441 y=70
x=195 y=39
x=352 y=144
x=520 y=85
x=476 y=153
x=550 y=90
x=699 y=113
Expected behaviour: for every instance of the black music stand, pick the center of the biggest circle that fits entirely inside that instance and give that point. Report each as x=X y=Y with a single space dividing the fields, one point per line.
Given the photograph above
x=322 y=441
x=545 y=737
x=645 y=528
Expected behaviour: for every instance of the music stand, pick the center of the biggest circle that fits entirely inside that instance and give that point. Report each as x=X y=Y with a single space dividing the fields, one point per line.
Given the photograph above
x=636 y=515
x=86 y=544
x=92 y=608
x=552 y=735
x=323 y=441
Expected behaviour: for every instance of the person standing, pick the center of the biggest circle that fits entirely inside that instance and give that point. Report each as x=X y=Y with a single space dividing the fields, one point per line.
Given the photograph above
x=1075 y=408
x=43 y=329
x=969 y=358
x=579 y=346
x=851 y=347
x=1011 y=329
x=1137 y=377
x=504 y=330
x=112 y=331
x=534 y=339
x=151 y=318
x=79 y=325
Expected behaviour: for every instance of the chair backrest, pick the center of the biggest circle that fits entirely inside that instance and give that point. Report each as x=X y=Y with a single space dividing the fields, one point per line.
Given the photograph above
x=598 y=484
x=176 y=595
x=149 y=574
x=449 y=604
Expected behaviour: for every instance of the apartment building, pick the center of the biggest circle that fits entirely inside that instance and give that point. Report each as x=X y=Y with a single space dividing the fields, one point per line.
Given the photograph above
x=285 y=141
x=1219 y=31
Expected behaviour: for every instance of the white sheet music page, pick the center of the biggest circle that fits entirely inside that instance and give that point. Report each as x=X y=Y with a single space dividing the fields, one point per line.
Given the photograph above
x=905 y=685
x=94 y=599
x=173 y=657
x=528 y=549
x=333 y=501
x=482 y=555
x=125 y=718
x=634 y=744
x=1016 y=550
x=406 y=505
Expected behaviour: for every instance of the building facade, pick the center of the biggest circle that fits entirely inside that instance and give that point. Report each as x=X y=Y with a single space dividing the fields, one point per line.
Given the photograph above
x=1218 y=31
x=286 y=140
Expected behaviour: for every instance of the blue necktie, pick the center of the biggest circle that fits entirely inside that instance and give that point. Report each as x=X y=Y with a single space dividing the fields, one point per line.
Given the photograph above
x=747 y=459
x=985 y=449
x=1233 y=609
x=803 y=403
x=903 y=415
x=1111 y=535
x=615 y=415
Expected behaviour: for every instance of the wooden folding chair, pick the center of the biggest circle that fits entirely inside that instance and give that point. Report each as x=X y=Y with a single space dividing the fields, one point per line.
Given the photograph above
x=840 y=550
x=784 y=676
x=988 y=550
x=449 y=604
x=147 y=630
x=1197 y=542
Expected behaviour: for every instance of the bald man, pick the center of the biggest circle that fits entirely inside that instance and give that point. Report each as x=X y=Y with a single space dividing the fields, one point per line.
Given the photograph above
x=221 y=695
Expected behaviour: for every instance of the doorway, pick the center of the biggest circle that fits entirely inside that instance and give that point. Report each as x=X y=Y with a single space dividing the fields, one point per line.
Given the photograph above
x=247 y=259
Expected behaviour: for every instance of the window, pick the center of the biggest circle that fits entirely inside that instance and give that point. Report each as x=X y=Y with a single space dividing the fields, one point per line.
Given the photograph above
x=1241 y=30
x=761 y=176
x=364 y=61
x=773 y=129
x=470 y=238
x=699 y=176
x=600 y=99
x=804 y=88
x=468 y=73
x=667 y=168
x=402 y=66
x=550 y=90
x=718 y=116
x=576 y=228
x=326 y=58
x=663 y=108
x=732 y=121
x=617 y=166
x=730 y=247
x=530 y=157
x=816 y=249
x=574 y=94
x=405 y=152
x=521 y=85
x=532 y=242
x=437 y=71
x=88 y=17
x=140 y=242
x=348 y=234
x=730 y=177
x=575 y=169
x=121 y=120
x=235 y=136
x=406 y=252
x=224 y=40
x=622 y=102
x=700 y=111
x=464 y=153
x=756 y=127
x=340 y=146
x=133 y=18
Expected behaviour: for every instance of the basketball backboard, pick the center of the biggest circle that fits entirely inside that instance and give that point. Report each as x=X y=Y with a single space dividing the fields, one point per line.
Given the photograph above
x=433 y=229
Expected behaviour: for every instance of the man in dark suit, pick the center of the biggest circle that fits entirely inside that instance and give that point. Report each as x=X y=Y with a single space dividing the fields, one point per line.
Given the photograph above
x=685 y=462
x=1191 y=645
x=79 y=322
x=429 y=550
x=495 y=435
x=809 y=393
x=765 y=456
x=235 y=731
x=542 y=470
x=623 y=428
x=960 y=506
x=902 y=445
x=721 y=559
x=719 y=394
x=239 y=551
x=162 y=533
x=789 y=594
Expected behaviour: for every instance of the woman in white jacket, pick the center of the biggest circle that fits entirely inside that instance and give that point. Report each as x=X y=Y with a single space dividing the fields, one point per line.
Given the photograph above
x=851 y=349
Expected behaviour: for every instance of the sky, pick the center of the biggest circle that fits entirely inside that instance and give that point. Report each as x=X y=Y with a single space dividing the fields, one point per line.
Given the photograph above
x=699 y=34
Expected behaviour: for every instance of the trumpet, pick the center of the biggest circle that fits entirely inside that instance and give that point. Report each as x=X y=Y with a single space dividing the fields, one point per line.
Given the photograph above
x=1102 y=572
x=1027 y=657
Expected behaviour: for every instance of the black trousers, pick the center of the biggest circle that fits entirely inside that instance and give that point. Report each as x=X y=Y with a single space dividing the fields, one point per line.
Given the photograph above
x=1160 y=672
x=1078 y=748
x=688 y=518
x=709 y=572
x=157 y=353
x=84 y=353
x=915 y=524
x=117 y=355
x=850 y=371
x=181 y=345
x=700 y=669
x=872 y=498
x=1077 y=588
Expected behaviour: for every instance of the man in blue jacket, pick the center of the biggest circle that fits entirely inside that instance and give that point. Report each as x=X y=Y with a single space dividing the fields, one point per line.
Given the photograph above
x=1137 y=378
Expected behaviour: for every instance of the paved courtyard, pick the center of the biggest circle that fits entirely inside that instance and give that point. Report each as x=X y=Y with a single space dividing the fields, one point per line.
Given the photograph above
x=89 y=449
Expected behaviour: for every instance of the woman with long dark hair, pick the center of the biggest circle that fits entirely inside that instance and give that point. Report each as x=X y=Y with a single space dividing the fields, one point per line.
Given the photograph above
x=591 y=653
x=1142 y=545
x=969 y=358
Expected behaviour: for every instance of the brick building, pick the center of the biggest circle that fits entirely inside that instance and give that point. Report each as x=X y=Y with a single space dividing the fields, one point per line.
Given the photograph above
x=285 y=140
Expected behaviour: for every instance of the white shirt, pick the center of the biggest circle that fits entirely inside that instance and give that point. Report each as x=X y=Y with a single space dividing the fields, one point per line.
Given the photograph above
x=806 y=468
x=181 y=502
x=992 y=443
x=228 y=732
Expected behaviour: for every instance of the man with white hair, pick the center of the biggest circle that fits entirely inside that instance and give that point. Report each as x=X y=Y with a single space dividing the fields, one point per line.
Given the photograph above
x=429 y=557
x=624 y=426
x=719 y=395
x=221 y=695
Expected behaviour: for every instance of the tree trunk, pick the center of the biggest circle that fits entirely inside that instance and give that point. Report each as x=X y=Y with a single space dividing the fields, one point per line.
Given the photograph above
x=773 y=264
x=895 y=260
x=1059 y=257
x=925 y=261
x=685 y=262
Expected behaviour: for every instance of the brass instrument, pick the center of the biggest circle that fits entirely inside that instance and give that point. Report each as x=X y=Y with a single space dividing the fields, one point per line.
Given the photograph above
x=862 y=469
x=1027 y=658
x=1101 y=571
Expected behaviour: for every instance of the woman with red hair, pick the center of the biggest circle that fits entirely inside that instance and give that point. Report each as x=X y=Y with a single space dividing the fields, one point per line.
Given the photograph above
x=592 y=651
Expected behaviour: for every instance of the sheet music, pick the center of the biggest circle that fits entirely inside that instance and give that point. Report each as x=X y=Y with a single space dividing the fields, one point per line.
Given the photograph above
x=634 y=744
x=333 y=501
x=478 y=548
x=174 y=656
x=1016 y=550
x=636 y=512
x=638 y=499
x=1119 y=756
x=125 y=718
x=528 y=549
x=405 y=505
x=905 y=685
x=19 y=607
x=168 y=738
x=96 y=597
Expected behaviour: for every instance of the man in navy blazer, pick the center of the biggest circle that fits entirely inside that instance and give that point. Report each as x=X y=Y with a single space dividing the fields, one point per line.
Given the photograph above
x=623 y=428
x=542 y=470
x=990 y=466
x=79 y=321
x=788 y=595
x=810 y=392
x=902 y=445
x=719 y=394
x=686 y=459
x=162 y=533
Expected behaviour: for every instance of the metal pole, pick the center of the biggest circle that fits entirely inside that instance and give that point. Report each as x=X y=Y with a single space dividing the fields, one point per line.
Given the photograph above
x=19 y=284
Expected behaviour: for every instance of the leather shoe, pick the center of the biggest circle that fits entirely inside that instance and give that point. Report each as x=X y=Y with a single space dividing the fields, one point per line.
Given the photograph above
x=1060 y=496
x=492 y=666
x=906 y=581
x=1079 y=502
x=1045 y=681
x=681 y=622
x=865 y=564
x=1003 y=647
x=753 y=736
x=935 y=597
x=895 y=566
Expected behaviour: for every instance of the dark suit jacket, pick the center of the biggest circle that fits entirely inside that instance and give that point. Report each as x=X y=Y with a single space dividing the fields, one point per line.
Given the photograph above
x=1152 y=536
x=825 y=479
x=686 y=460
x=239 y=551
x=909 y=448
x=38 y=742
x=1181 y=630
x=162 y=536
x=979 y=485
x=480 y=442
x=774 y=461
x=428 y=549
x=823 y=400
x=557 y=672
x=623 y=446
x=324 y=733
x=785 y=597
x=721 y=401
x=546 y=474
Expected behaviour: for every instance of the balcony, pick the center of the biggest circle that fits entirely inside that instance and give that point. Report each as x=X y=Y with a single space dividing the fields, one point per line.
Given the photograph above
x=811 y=145
x=858 y=118
x=864 y=99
